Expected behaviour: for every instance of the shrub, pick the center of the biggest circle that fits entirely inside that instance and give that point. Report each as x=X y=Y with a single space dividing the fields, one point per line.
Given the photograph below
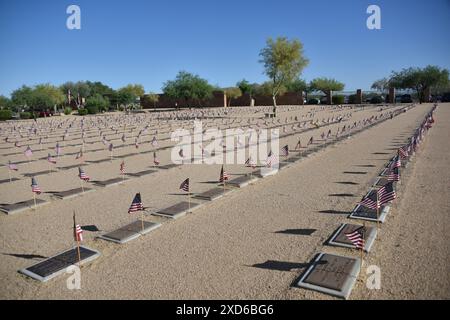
x=376 y=100
x=313 y=101
x=121 y=108
x=338 y=99
x=5 y=114
x=92 y=109
x=67 y=111
x=25 y=115
x=82 y=112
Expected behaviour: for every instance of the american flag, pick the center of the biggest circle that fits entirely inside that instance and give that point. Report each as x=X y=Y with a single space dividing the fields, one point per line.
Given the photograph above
x=28 y=152
x=396 y=162
x=110 y=148
x=185 y=185
x=51 y=159
x=370 y=201
x=329 y=134
x=285 y=151
x=82 y=175
x=155 y=159
x=34 y=186
x=223 y=175
x=122 y=167
x=357 y=237
x=136 y=204
x=136 y=143
x=123 y=138
x=12 y=166
x=77 y=231
x=386 y=193
x=180 y=153
x=271 y=158
x=403 y=152
x=394 y=175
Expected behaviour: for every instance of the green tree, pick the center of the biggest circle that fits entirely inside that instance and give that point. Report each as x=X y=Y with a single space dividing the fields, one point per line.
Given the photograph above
x=96 y=103
x=187 y=86
x=129 y=94
x=232 y=93
x=326 y=85
x=283 y=61
x=22 y=97
x=4 y=102
x=78 y=91
x=381 y=85
x=299 y=86
x=152 y=98
x=419 y=79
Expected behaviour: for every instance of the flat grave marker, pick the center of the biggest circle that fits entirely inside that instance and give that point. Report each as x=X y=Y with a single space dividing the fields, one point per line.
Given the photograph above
x=58 y=264
x=110 y=182
x=141 y=173
x=22 y=206
x=130 y=231
x=340 y=239
x=72 y=193
x=176 y=211
x=212 y=194
x=242 y=181
x=331 y=274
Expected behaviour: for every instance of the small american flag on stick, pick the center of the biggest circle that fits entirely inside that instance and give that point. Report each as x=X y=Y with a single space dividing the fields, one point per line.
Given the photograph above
x=136 y=204
x=357 y=237
x=185 y=185
x=223 y=175
x=82 y=175
x=34 y=186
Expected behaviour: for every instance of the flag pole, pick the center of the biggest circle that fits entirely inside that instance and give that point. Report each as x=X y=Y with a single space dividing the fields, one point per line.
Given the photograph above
x=9 y=174
x=189 y=199
x=378 y=214
x=364 y=244
x=34 y=200
x=78 y=242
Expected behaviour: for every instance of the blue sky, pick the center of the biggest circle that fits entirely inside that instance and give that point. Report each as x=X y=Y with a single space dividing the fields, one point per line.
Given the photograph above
x=148 y=42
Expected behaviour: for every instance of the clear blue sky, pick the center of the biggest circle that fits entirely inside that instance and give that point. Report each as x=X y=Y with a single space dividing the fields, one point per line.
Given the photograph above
x=148 y=42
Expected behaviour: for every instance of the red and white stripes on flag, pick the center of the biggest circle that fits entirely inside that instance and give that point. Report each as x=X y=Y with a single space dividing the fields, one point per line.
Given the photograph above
x=77 y=231
x=82 y=175
x=223 y=175
x=185 y=185
x=122 y=167
x=386 y=193
x=34 y=186
x=357 y=237
x=136 y=204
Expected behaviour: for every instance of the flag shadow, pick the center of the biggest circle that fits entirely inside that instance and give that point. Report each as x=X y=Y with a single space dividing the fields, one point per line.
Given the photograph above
x=280 y=265
x=301 y=232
